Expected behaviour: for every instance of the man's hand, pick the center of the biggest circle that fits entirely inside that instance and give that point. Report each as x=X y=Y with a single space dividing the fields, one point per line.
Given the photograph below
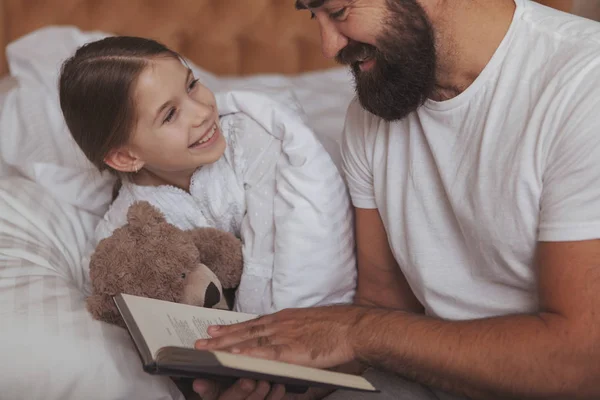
x=244 y=389
x=318 y=337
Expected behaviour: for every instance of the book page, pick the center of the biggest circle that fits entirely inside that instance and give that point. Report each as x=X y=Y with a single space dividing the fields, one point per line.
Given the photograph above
x=164 y=323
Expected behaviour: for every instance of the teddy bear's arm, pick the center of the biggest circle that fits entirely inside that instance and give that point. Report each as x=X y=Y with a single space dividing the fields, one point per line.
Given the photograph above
x=221 y=252
x=103 y=308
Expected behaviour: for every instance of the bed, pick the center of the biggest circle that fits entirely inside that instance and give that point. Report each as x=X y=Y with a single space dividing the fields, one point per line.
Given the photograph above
x=50 y=200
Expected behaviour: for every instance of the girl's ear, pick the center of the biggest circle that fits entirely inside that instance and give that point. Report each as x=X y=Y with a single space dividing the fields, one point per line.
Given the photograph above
x=123 y=160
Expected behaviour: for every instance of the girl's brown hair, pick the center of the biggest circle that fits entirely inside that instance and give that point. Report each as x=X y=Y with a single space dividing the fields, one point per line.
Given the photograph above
x=96 y=92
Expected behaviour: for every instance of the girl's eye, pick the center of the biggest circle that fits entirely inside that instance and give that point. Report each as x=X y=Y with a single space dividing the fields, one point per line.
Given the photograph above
x=338 y=14
x=169 y=116
x=312 y=15
x=192 y=84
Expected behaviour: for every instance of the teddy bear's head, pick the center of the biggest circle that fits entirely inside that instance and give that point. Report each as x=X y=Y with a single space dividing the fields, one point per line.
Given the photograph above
x=150 y=257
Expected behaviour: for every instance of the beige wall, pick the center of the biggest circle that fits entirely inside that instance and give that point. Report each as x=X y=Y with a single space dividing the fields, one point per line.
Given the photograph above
x=587 y=8
x=564 y=5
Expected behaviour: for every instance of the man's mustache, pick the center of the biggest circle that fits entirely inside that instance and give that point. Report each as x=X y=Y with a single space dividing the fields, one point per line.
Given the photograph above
x=355 y=52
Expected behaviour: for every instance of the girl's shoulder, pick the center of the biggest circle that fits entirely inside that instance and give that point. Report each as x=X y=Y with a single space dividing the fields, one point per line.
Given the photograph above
x=116 y=215
x=164 y=198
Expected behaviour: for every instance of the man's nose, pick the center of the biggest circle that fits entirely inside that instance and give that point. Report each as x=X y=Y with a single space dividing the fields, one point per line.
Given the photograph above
x=332 y=40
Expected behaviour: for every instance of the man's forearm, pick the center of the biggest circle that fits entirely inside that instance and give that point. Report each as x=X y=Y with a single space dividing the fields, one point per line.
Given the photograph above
x=518 y=356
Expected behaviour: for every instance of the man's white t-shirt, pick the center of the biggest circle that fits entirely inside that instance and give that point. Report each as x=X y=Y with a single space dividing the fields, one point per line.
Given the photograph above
x=467 y=187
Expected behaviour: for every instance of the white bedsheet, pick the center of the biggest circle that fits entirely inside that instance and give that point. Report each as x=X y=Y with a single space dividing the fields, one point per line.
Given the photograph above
x=50 y=201
x=51 y=348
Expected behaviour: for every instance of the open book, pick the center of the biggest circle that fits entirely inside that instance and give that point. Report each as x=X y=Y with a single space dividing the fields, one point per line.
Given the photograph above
x=164 y=334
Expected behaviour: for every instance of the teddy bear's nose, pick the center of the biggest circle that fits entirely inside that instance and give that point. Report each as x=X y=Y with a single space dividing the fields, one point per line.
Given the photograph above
x=212 y=296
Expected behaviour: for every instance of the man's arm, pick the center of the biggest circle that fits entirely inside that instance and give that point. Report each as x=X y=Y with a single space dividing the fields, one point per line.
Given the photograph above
x=380 y=280
x=554 y=354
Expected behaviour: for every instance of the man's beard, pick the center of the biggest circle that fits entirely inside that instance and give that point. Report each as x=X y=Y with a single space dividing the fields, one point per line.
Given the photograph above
x=403 y=75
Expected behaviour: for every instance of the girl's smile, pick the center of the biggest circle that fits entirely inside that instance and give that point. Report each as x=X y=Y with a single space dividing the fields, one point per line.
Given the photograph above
x=207 y=139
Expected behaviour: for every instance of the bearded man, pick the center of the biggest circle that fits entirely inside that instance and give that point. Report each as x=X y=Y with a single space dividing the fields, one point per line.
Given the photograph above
x=472 y=155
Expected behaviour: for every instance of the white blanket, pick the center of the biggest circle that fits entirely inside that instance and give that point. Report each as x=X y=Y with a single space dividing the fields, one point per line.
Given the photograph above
x=313 y=259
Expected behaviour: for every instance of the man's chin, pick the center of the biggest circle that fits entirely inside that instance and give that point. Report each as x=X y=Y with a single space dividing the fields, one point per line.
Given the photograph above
x=383 y=106
x=385 y=98
x=361 y=76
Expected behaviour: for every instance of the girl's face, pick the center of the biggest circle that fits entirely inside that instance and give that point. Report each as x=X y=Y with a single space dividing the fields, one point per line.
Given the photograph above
x=177 y=129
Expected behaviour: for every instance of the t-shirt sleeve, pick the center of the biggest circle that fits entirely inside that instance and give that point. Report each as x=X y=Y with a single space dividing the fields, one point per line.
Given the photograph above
x=570 y=202
x=356 y=165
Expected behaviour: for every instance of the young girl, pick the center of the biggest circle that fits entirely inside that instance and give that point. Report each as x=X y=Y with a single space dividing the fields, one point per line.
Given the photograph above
x=134 y=108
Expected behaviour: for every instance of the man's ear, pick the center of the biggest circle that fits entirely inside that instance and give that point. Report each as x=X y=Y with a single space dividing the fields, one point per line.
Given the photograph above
x=123 y=160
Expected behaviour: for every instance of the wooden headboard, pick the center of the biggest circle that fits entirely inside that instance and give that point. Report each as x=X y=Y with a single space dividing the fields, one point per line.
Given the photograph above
x=226 y=37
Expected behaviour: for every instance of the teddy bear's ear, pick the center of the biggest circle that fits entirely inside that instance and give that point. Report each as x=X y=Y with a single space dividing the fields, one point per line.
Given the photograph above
x=142 y=213
x=103 y=308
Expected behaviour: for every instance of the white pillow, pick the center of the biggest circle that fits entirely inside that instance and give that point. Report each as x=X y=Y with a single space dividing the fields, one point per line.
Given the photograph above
x=34 y=139
x=35 y=142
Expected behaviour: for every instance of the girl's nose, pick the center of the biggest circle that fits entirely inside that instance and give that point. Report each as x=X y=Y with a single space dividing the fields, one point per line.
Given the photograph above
x=201 y=112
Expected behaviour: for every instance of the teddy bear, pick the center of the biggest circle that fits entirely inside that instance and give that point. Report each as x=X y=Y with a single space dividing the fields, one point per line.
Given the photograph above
x=150 y=257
